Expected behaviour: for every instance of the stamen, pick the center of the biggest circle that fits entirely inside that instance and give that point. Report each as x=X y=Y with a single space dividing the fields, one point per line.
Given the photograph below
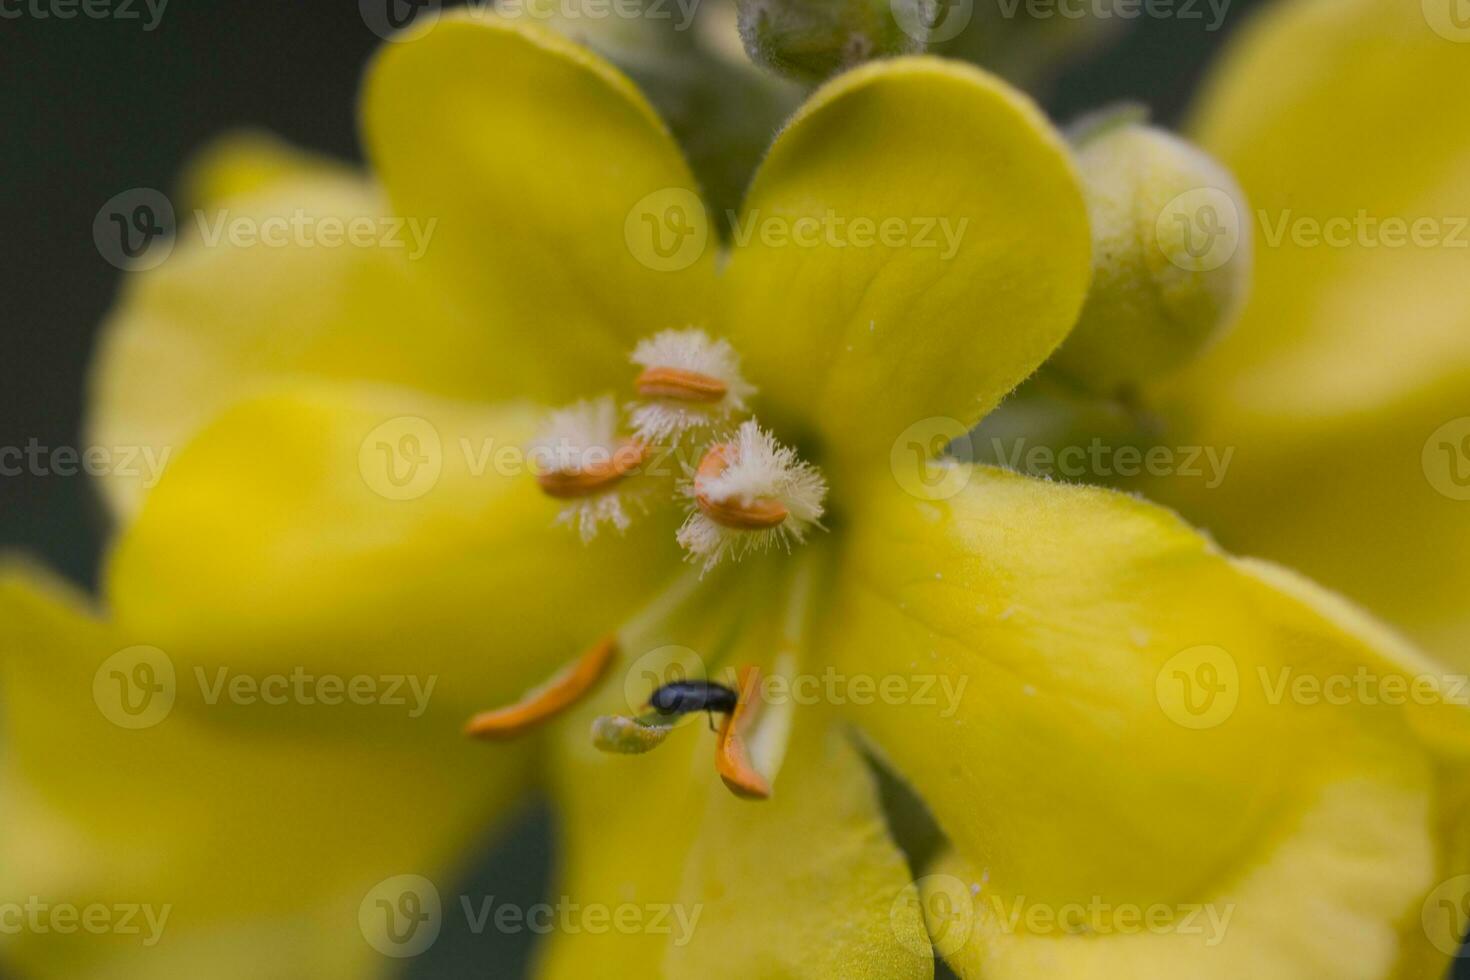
x=596 y=475
x=580 y=458
x=689 y=381
x=743 y=515
x=688 y=386
x=732 y=757
x=565 y=689
x=748 y=494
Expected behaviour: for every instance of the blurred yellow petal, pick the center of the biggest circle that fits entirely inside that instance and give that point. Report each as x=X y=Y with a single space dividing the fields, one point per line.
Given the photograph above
x=247 y=162
x=1343 y=388
x=376 y=531
x=915 y=244
x=1318 y=901
x=182 y=848
x=547 y=171
x=1115 y=709
x=264 y=288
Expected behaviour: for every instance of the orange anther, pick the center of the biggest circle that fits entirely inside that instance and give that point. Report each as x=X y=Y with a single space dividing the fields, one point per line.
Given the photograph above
x=732 y=758
x=551 y=698
x=680 y=385
x=760 y=514
x=596 y=476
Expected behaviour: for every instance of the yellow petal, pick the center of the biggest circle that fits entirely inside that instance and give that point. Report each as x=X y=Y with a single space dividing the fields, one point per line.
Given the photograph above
x=544 y=213
x=1342 y=389
x=203 y=851
x=1315 y=902
x=805 y=884
x=1105 y=706
x=915 y=244
x=375 y=531
x=257 y=293
x=245 y=163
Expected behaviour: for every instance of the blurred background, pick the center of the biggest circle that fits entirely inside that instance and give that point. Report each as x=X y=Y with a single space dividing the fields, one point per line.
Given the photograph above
x=95 y=107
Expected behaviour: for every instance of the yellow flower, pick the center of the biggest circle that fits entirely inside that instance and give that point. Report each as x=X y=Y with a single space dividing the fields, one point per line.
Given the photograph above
x=1080 y=694
x=1343 y=389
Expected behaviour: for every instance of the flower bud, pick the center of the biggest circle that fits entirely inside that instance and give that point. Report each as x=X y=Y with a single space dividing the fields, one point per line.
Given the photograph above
x=1171 y=255
x=814 y=39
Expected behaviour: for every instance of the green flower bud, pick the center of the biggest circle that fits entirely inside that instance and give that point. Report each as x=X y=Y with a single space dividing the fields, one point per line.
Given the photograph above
x=1171 y=255
x=814 y=39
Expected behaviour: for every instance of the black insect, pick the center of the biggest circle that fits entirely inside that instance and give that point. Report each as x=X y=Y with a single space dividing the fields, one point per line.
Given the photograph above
x=685 y=697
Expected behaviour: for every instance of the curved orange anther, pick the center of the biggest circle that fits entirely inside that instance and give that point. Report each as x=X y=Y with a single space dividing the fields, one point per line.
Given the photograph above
x=760 y=514
x=732 y=757
x=551 y=698
x=571 y=484
x=680 y=385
